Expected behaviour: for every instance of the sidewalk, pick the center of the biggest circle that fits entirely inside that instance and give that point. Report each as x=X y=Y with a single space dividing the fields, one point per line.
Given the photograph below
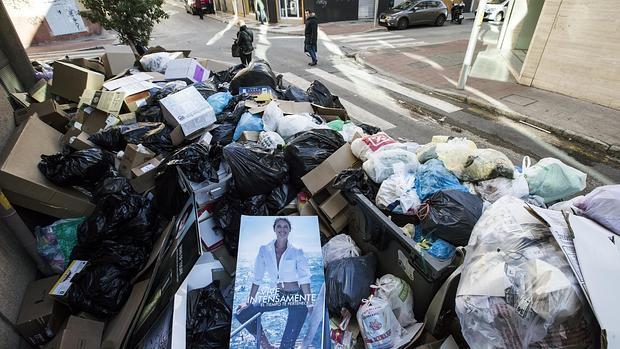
x=436 y=68
x=332 y=28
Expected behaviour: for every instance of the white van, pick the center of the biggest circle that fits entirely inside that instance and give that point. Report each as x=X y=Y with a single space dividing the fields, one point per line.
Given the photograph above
x=496 y=10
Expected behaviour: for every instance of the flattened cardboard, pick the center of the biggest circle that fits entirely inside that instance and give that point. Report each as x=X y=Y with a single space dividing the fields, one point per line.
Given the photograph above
x=40 y=91
x=128 y=118
x=25 y=185
x=109 y=102
x=70 y=81
x=330 y=114
x=323 y=174
x=290 y=107
x=40 y=316
x=251 y=136
x=78 y=333
x=117 y=58
x=125 y=81
x=187 y=69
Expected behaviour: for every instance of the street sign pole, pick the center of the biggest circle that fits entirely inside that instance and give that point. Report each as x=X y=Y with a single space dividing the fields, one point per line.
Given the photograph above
x=374 y=23
x=471 y=47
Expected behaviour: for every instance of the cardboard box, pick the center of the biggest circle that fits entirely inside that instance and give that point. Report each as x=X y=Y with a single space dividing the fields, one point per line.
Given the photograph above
x=63 y=284
x=135 y=101
x=24 y=184
x=50 y=113
x=334 y=205
x=330 y=114
x=291 y=107
x=128 y=118
x=77 y=139
x=211 y=238
x=187 y=69
x=21 y=115
x=323 y=174
x=117 y=58
x=91 y=120
x=134 y=155
x=143 y=175
x=188 y=112
x=20 y=99
x=110 y=102
x=78 y=333
x=40 y=91
x=70 y=81
x=251 y=136
x=40 y=316
x=93 y=64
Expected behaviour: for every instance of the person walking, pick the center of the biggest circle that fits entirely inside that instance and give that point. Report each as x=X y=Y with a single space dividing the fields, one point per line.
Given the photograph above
x=260 y=11
x=311 y=35
x=245 y=38
x=199 y=10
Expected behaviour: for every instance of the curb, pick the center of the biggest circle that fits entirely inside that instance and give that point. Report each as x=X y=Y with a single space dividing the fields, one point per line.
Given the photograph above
x=591 y=142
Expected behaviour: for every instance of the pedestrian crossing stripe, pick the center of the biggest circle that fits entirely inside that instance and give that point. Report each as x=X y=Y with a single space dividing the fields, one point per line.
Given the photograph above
x=364 y=35
x=365 y=38
x=353 y=110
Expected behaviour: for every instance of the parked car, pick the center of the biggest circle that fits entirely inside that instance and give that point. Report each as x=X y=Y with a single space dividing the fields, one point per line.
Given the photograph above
x=413 y=12
x=496 y=10
x=190 y=7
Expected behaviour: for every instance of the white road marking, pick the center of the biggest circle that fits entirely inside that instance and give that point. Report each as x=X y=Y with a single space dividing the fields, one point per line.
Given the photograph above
x=390 y=85
x=298 y=37
x=357 y=38
x=366 y=35
x=220 y=34
x=354 y=111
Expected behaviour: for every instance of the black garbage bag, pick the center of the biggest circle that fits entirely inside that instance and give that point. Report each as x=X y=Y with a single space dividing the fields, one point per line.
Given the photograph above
x=369 y=129
x=129 y=216
x=308 y=150
x=258 y=73
x=159 y=141
x=280 y=197
x=208 y=318
x=149 y=113
x=319 y=94
x=232 y=116
x=82 y=168
x=355 y=180
x=113 y=185
x=130 y=258
x=100 y=290
x=223 y=134
x=348 y=281
x=227 y=75
x=255 y=170
x=206 y=89
x=116 y=138
x=227 y=215
x=234 y=102
x=450 y=215
x=294 y=93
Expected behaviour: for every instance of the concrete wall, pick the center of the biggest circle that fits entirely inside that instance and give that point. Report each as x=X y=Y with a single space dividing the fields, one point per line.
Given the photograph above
x=529 y=24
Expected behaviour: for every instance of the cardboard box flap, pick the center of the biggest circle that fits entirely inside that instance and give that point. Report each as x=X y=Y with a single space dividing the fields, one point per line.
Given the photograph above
x=37 y=303
x=339 y=161
x=290 y=107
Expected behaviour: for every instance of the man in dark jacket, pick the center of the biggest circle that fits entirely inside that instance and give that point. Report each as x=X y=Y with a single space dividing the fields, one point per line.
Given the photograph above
x=198 y=6
x=245 y=38
x=311 y=33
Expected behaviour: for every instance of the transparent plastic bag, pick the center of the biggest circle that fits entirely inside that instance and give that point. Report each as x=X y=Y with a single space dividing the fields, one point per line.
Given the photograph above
x=380 y=165
x=270 y=140
x=486 y=164
x=340 y=246
x=517 y=289
x=272 y=116
x=291 y=125
x=454 y=154
x=553 y=180
x=349 y=130
x=398 y=293
x=156 y=62
x=397 y=194
x=248 y=122
x=219 y=101
x=494 y=189
x=56 y=241
x=603 y=206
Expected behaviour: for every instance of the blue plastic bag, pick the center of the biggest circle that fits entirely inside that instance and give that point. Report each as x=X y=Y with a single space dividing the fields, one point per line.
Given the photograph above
x=219 y=101
x=248 y=122
x=441 y=249
x=432 y=177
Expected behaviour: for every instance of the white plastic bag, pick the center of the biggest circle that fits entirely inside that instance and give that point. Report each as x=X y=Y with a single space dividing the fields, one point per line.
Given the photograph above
x=270 y=140
x=157 y=62
x=493 y=189
x=603 y=206
x=486 y=164
x=398 y=293
x=380 y=165
x=272 y=116
x=366 y=145
x=339 y=247
x=568 y=205
x=349 y=130
x=397 y=194
x=380 y=328
x=454 y=154
x=553 y=180
x=291 y=125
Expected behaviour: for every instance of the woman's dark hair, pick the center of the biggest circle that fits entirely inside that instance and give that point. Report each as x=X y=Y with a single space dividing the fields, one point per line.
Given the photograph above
x=281 y=219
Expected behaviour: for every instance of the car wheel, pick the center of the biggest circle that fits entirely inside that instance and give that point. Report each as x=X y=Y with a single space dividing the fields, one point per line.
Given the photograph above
x=441 y=19
x=403 y=23
x=499 y=17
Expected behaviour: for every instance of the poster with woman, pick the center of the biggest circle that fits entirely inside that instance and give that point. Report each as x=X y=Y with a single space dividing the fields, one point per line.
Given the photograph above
x=279 y=299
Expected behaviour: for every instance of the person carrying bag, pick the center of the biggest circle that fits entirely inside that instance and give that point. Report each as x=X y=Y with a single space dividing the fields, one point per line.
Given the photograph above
x=242 y=47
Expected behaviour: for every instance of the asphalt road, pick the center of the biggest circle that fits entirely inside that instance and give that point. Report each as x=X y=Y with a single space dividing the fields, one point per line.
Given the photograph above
x=401 y=110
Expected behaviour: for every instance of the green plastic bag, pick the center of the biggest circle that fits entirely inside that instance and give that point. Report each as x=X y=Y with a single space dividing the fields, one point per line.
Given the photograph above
x=336 y=125
x=56 y=241
x=553 y=180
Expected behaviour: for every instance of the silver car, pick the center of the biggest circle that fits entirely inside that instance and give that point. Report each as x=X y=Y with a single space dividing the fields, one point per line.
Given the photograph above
x=413 y=12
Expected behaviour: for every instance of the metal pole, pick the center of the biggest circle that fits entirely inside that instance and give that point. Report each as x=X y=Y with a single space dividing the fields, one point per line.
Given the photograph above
x=374 y=21
x=471 y=47
x=14 y=223
x=14 y=51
